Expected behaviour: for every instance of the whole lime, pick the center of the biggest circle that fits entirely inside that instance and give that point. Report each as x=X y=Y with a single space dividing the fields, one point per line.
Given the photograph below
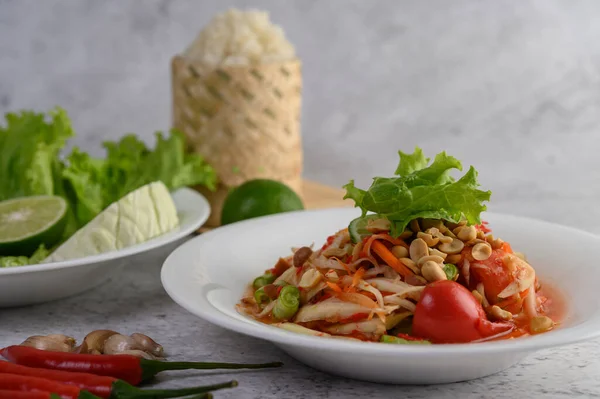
x=259 y=197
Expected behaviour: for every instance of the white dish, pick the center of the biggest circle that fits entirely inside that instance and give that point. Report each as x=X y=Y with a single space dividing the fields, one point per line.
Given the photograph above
x=208 y=275
x=26 y=285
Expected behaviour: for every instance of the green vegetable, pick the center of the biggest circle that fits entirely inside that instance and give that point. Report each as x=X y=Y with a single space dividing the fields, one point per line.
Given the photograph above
x=451 y=271
x=358 y=228
x=287 y=304
x=421 y=191
x=30 y=164
x=263 y=280
x=259 y=197
x=390 y=339
x=39 y=255
x=96 y=183
x=30 y=143
x=260 y=296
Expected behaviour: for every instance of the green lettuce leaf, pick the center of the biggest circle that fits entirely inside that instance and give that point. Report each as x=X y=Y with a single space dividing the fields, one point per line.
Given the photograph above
x=411 y=162
x=30 y=143
x=85 y=188
x=422 y=191
x=131 y=165
x=11 y=261
x=30 y=164
x=93 y=184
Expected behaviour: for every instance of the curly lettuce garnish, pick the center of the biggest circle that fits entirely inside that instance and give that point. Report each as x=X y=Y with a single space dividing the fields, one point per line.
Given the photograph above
x=96 y=183
x=422 y=191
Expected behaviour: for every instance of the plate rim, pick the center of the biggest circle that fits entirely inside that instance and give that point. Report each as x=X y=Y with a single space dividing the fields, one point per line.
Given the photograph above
x=587 y=330
x=154 y=243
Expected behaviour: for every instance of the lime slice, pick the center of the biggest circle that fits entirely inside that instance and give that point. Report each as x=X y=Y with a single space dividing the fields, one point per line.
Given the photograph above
x=259 y=197
x=27 y=222
x=358 y=228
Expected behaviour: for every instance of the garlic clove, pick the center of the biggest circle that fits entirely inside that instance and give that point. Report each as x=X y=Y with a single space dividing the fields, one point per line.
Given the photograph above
x=94 y=342
x=63 y=339
x=46 y=344
x=119 y=343
x=148 y=344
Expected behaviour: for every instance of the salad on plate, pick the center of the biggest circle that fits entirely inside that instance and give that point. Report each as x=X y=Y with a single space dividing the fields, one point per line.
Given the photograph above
x=419 y=266
x=56 y=206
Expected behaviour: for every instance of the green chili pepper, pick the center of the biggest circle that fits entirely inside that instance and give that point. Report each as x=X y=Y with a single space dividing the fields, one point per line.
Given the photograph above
x=451 y=271
x=390 y=339
x=287 y=303
x=260 y=296
x=263 y=280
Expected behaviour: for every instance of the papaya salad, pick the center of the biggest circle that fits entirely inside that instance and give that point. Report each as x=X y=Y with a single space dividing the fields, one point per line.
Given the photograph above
x=417 y=267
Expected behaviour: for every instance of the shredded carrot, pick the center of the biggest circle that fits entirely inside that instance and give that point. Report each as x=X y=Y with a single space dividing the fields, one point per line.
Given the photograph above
x=395 y=241
x=370 y=295
x=358 y=276
x=366 y=250
x=334 y=286
x=390 y=259
x=350 y=289
x=344 y=265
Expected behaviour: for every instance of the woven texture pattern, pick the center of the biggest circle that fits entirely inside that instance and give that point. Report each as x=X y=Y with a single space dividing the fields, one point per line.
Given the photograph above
x=245 y=120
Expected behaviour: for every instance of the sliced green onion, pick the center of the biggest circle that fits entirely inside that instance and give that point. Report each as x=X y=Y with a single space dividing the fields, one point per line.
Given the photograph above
x=451 y=271
x=390 y=339
x=260 y=296
x=287 y=303
x=263 y=280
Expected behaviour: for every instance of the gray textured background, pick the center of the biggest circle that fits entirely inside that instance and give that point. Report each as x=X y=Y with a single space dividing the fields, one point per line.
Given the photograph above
x=512 y=87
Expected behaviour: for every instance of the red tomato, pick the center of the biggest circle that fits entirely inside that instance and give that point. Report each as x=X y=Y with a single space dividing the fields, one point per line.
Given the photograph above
x=448 y=313
x=492 y=273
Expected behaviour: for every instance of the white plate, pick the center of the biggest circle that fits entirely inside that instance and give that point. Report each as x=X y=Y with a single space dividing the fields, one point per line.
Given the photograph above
x=27 y=285
x=207 y=276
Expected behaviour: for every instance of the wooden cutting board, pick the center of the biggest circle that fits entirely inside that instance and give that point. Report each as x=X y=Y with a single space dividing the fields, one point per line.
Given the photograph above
x=317 y=196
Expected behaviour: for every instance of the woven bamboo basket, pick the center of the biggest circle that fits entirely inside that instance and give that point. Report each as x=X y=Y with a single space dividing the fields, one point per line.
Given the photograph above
x=245 y=120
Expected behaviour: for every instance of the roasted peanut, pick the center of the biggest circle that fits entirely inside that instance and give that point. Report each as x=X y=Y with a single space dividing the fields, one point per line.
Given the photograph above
x=399 y=251
x=433 y=272
x=540 y=324
x=467 y=233
x=428 y=238
x=418 y=249
x=481 y=251
x=452 y=248
x=500 y=314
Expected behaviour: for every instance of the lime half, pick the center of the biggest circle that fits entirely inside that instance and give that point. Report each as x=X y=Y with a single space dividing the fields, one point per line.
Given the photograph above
x=27 y=222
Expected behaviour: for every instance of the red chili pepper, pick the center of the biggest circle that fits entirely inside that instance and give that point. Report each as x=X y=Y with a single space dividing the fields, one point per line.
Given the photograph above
x=4 y=394
x=14 y=382
x=102 y=386
x=128 y=368
x=328 y=242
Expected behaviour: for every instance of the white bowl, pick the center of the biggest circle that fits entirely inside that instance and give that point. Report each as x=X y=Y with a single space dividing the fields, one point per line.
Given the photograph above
x=208 y=275
x=26 y=285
